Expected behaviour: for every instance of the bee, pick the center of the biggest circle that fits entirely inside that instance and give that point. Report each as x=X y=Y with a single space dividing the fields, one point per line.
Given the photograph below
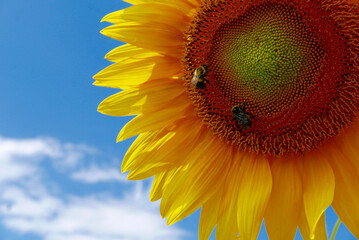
x=242 y=117
x=198 y=79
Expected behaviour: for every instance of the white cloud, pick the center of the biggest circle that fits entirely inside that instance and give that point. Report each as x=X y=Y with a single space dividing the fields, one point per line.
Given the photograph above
x=97 y=218
x=95 y=174
x=19 y=157
x=10 y=148
x=29 y=205
x=18 y=203
x=71 y=154
x=13 y=170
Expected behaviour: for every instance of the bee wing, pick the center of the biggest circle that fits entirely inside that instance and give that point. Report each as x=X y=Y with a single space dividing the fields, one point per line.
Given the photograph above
x=194 y=81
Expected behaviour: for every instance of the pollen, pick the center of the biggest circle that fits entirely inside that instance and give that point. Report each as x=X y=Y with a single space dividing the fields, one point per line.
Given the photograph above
x=290 y=63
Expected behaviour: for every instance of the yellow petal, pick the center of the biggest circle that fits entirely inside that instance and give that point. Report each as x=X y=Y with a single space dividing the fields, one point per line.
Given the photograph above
x=209 y=213
x=128 y=51
x=281 y=217
x=149 y=98
x=153 y=12
x=348 y=141
x=254 y=193
x=320 y=230
x=159 y=183
x=143 y=167
x=132 y=72
x=195 y=182
x=167 y=39
x=183 y=5
x=153 y=149
x=346 y=196
x=153 y=121
x=203 y=181
x=318 y=188
x=165 y=152
x=195 y=2
x=227 y=227
x=138 y=145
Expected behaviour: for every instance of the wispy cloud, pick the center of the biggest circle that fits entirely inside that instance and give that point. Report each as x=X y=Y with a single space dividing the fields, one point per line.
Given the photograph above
x=95 y=174
x=85 y=217
x=35 y=149
x=29 y=205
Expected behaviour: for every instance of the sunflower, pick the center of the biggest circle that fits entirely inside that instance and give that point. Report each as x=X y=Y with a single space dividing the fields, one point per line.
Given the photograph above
x=246 y=109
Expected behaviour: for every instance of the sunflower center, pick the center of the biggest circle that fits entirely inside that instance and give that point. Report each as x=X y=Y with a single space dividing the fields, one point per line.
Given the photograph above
x=266 y=57
x=271 y=76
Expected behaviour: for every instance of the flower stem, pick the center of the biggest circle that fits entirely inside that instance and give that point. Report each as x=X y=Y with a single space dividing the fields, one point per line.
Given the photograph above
x=335 y=229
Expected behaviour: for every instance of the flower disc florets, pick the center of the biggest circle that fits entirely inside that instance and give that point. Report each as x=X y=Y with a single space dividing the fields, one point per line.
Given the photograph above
x=289 y=65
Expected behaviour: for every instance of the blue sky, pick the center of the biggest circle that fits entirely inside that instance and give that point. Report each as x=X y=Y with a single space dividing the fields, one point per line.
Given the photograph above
x=59 y=172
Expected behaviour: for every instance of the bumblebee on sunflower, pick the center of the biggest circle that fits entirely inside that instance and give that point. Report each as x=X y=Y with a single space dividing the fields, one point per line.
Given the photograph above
x=246 y=108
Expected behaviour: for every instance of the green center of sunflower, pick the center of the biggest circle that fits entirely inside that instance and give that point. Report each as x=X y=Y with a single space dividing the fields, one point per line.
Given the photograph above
x=265 y=58
x=275 y=77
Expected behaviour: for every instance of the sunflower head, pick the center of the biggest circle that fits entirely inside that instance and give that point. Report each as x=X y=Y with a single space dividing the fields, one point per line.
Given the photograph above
x=287 y=61
x=246 y=109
